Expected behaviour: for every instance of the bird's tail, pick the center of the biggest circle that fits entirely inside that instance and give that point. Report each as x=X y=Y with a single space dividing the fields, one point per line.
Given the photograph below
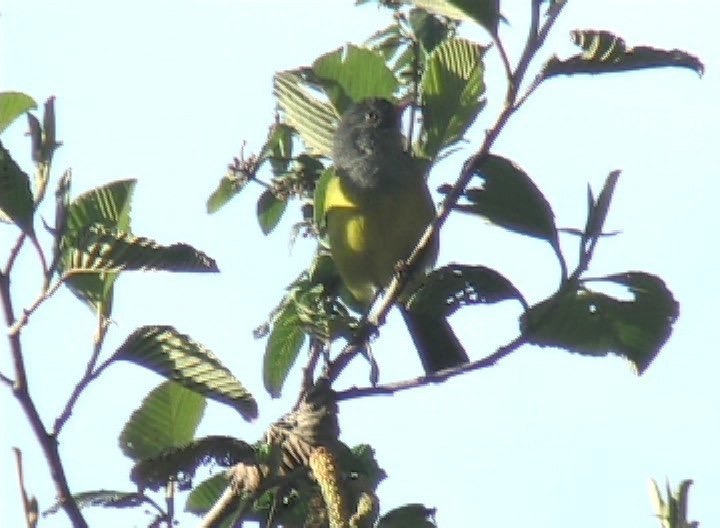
x=436 y=342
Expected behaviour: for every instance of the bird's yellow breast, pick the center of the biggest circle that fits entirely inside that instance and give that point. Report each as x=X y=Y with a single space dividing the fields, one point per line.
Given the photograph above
x=370 y=234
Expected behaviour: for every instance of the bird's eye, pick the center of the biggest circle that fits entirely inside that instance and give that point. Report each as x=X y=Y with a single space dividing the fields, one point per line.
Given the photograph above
x=372 y=116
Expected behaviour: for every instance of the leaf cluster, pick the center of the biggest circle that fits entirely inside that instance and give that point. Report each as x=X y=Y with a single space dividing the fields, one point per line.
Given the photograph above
x=421 y=60
x=300 y=473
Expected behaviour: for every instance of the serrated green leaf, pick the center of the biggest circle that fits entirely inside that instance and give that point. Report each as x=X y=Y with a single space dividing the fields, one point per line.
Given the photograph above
x=445 y=290
x=509 y=198
x=595 y=324
x=605 y=52
x=357 y=72
x=16 y=199
x=387 y=41
x=176 y=356
x=452 y=88
x=314 y=120
x=108 y=205
x=206 y=494
x=12 y=106
x=179 y=464
x=229 y=186
x=278 y=148
x=168 y=417
x=269 y=211
x=429 y=30
x=282 y=348
x=408 y=516
x=94 y=289
x=404 y=66
x=100 y=249
x=105 y=499
x=483 y=12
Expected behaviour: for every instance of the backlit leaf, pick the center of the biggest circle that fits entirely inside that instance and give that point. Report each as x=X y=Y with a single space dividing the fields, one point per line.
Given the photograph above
x=429 y=29
x=230 y=185
x=206 y=494
x=452 y=88
x=269 y=211
x=282 y=348
x=108 y=205
x=278 y=148
x=176 y=356
x=12 y=106
x=100 y=249
x=592 y=323
x=314 y=120
x=16 y=199
x=179 y=464
x=358 y=72
x=447 y=289
x=168 y=417
x=509 y=198
x=604 y=52
x=484 y=12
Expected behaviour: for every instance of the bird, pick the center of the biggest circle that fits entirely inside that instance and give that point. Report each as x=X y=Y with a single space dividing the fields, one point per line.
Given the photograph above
x=377 y=206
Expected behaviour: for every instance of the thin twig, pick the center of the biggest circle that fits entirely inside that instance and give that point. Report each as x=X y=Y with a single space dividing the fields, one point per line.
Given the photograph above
x=532 y=45
x=316 y=349
x=91 y=373
x=437 y=377
x=503 y=56
x=542 y=33
x=31 y=514
x=170 y=491
x=14 y=252
x=6 y=380
x=61 y=218
x=539 y=78
x=41 y=255
x=47 y=292
x=356 y=346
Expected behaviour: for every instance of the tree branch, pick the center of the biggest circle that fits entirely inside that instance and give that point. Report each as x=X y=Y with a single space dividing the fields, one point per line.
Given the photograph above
x=90 y=374
x=6 y=380
x=48 y=442
x=14 y=252
x=47 y=292
x=316 y=349
x=437 y=377
x=541 y=34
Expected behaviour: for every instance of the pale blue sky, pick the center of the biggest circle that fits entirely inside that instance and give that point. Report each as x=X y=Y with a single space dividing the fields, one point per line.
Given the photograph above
x=166 y=91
